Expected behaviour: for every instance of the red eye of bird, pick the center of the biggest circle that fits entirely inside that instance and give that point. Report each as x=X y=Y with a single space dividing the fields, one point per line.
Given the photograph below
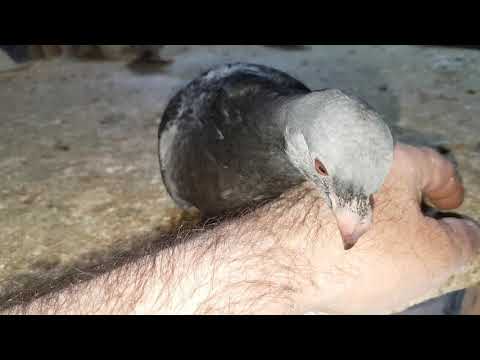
x=320 y=168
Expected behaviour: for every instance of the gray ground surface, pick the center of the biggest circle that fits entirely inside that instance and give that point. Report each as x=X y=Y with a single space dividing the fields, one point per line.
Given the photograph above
x=78 y=157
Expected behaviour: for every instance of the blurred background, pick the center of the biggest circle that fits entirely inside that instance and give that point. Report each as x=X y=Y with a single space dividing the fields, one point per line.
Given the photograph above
x=78 y=142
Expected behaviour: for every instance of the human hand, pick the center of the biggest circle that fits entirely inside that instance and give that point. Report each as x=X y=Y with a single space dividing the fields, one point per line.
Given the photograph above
x=404 y=256
x=288 y=257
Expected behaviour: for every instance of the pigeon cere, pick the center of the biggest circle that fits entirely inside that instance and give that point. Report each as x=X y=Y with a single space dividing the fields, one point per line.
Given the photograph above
x=239 y=180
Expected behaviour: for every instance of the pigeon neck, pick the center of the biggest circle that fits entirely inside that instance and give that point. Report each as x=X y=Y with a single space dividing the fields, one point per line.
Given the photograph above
x=285 y=106
x=294 y=131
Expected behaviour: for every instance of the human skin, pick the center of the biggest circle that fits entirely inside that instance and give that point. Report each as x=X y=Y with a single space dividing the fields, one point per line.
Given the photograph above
x=286 y=257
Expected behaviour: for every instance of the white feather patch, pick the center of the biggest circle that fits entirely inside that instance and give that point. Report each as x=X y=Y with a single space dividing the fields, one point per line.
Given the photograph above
x=296 y=148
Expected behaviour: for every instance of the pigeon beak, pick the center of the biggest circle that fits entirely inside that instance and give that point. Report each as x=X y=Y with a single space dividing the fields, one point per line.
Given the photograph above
x=351 y=226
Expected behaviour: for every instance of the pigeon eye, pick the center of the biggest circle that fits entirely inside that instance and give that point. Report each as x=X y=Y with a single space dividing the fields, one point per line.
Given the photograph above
x=321 y=170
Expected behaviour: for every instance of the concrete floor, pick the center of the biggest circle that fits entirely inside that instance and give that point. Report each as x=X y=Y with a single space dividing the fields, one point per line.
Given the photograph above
x=78 y=158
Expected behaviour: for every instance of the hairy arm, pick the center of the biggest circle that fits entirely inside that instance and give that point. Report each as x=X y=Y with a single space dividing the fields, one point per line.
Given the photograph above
x=287 y=257
x=241 y=266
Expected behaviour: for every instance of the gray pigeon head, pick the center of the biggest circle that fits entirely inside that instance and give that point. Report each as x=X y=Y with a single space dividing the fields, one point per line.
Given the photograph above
x=342 y=145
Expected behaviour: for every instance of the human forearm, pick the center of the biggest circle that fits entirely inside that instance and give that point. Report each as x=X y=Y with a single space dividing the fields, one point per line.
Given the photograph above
x=241 y=266
x=287 y=257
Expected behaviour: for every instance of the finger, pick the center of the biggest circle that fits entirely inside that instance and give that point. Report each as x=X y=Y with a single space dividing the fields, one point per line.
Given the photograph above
x=408 y=270
x=436 y=178
x=444 y=248
x=459 y=239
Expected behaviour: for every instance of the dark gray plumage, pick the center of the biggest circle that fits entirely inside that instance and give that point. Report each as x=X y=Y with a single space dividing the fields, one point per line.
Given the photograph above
x=244 y=133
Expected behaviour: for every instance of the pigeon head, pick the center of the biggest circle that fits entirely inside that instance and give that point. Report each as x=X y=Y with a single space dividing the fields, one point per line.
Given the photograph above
x=344 y=147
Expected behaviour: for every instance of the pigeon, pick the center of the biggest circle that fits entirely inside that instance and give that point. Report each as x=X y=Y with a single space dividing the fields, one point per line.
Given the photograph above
x=241 y=134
